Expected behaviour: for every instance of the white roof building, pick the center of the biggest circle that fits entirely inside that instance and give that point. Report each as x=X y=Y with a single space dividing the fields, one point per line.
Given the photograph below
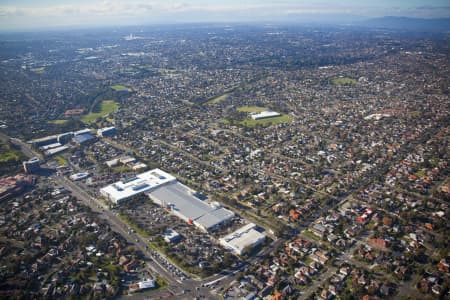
x=112 y=163
x=171 y=236
x=164 y=190
x=139 y=166
x=145 y=182
x=184 y=204
x=82 y=131
x=146 y=284
x=377 y=117
x=79 y=176
x=142 y=285
x=126 y=159
x=51 y=146
x=56 y=150
x=265 y=114
x=242 y=239
x=102 y=132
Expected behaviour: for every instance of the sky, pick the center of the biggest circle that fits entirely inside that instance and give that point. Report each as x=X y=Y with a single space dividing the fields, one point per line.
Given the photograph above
x=34 y=14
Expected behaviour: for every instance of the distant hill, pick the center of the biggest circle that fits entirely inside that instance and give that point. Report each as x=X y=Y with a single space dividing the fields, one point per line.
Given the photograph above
x=322 y=19
x=412 y=24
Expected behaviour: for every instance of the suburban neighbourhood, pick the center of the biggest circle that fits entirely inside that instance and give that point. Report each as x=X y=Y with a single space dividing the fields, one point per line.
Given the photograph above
x=225 y=162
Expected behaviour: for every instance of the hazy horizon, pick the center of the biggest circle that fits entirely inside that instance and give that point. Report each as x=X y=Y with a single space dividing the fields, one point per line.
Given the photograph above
x=29 y=15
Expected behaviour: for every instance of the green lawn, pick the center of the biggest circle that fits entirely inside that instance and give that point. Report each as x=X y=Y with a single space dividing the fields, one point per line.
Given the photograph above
x=122 y=169
x=311 y=235
x=106 y=107
x=218 y=99
x=249 y=122
x=7 y=154
x=61 y=160
x=250 y=109
x=421 y=173
x=58 y=122
x=119 y=87
x=38 y=70
x=343 y=81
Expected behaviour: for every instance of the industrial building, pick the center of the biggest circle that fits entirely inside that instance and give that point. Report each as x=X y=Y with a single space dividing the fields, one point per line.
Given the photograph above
x=164 y=190
x=57 y=150
x=50 y=146
x=44 y=141
x=64 y=138
x=242 y=239
x=82 y=131
x=83 y=138
x=125 y=189
x=32 y=165
x=107 y=131
x=59 y=139
x=265 y=115
x=184 y=204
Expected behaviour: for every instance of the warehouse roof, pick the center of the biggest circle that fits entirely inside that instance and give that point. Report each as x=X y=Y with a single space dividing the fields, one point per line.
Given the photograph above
x=265 y=114
x=183 y=203
x=83 y=138
x=246 y=236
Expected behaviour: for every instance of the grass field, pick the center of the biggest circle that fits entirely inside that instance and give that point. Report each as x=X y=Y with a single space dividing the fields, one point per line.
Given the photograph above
x=122 y=169
x=7 y=154
x=310 y=235
x=38 y=70
x=58 y=122
x=119 y=87
x=343 y=81
x=106 y=107
x=249 y=122
x=61 y=160
x=218 y=99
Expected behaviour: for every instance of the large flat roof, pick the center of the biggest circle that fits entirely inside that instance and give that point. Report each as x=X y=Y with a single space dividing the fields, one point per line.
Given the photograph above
x=184 y=204
x=245 y=236
x=143 y=182
x=265 y=114
x=165 y=190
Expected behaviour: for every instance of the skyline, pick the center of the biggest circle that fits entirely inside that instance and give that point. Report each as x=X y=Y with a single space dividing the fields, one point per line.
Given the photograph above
x=26 y=14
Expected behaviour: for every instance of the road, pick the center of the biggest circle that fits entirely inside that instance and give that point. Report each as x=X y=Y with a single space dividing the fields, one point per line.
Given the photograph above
x=188 y=288
x=104 y=211
x=155 y=261
x=26 y=149
x=207 y=288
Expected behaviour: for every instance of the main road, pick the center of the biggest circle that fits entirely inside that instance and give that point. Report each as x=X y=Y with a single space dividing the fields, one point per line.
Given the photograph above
x=179 y=285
